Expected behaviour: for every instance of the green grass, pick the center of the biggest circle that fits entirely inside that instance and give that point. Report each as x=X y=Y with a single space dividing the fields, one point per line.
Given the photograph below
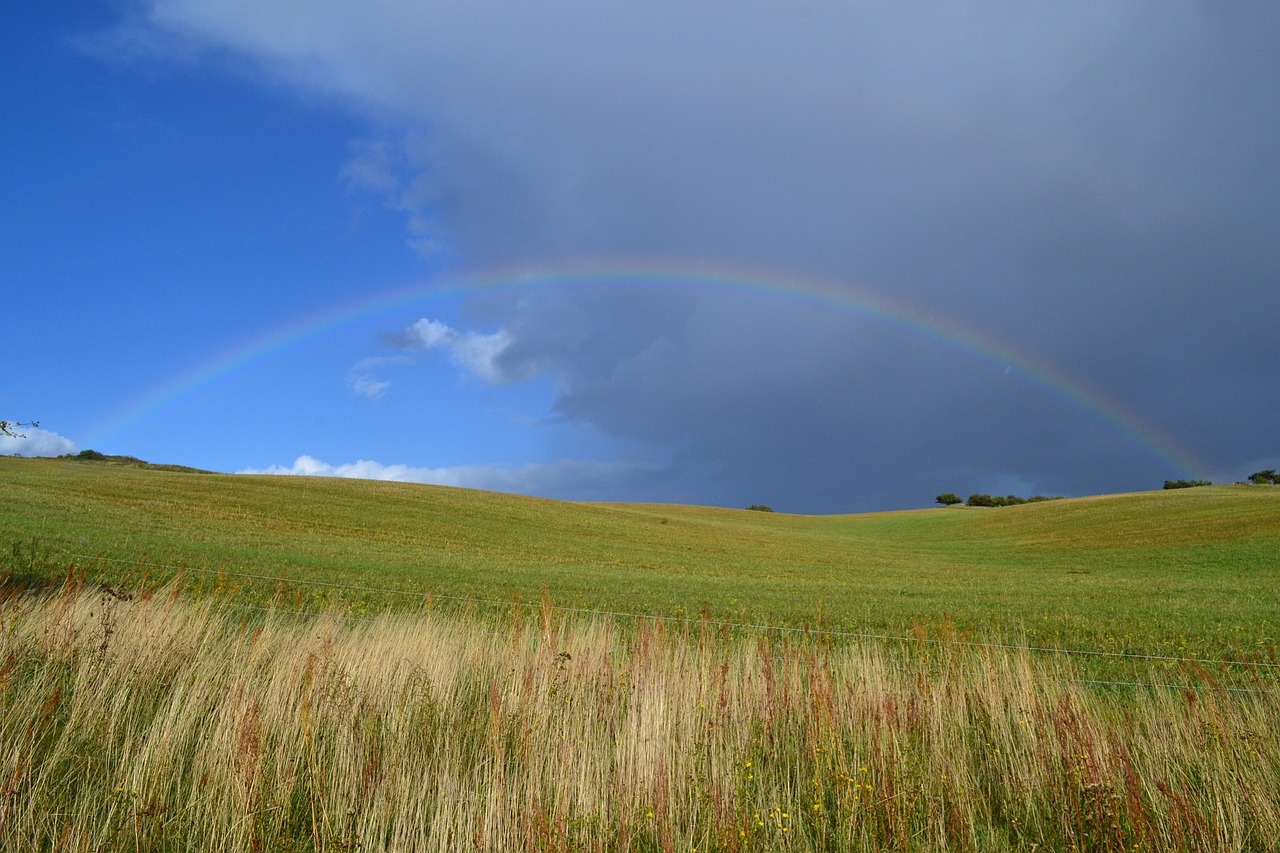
x=1185 y=572
x=137 y=718
x=160 y=724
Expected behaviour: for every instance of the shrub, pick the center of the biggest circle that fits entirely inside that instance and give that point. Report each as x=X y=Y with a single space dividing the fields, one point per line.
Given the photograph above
x=1005 y=500
x=1186 y=484
x=760 y=508
x=949 y=499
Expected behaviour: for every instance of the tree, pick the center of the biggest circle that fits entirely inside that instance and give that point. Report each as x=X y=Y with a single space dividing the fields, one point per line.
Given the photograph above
x=949 y=499
x=1267 y=476
x=10 y=428
x=760 y=508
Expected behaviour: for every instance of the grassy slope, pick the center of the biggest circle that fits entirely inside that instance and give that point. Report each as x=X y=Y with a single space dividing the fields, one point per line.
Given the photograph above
x=1188 y=571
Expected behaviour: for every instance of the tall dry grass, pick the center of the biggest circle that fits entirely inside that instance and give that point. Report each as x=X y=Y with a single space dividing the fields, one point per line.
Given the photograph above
x=157 y=723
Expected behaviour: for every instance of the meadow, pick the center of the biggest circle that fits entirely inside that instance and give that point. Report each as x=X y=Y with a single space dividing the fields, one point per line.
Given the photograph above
x=193 y=661
x=1188 y=572
x=157 y=723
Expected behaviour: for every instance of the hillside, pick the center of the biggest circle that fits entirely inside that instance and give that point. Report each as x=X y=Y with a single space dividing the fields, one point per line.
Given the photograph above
x=1175 y=570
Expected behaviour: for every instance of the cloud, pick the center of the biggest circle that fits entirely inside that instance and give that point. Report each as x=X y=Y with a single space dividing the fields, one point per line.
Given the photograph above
x=396 y=173
x=364 y=383
x=570 y=479
x=367 y=385
x=1093 y=185
x=481 y=354
x=36 y=442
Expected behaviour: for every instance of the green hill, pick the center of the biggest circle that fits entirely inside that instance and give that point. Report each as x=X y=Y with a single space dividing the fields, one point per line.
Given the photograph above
x=1191 y=570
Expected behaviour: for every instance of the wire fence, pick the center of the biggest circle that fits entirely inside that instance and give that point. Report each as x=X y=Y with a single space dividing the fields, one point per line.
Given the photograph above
x=743 y=626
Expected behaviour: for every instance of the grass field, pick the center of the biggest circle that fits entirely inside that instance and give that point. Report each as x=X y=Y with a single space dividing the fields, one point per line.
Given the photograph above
x=149 y=709
x=1185 y=572
x=155 y=723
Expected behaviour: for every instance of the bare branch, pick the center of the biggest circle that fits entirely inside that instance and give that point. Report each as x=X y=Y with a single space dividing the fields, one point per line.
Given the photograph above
x=9 y=428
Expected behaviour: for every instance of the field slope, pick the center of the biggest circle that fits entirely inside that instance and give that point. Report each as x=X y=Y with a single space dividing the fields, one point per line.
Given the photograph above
x=1191 y=571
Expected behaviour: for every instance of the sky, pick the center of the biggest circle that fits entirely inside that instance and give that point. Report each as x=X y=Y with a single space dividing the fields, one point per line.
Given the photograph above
x=823 y=256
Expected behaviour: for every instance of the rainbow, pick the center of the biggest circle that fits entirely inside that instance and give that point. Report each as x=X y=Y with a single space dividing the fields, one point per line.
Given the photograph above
x=680 y=277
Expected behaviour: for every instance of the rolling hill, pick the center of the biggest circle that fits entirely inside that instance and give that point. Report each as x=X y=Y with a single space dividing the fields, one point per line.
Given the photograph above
x=1192 y=570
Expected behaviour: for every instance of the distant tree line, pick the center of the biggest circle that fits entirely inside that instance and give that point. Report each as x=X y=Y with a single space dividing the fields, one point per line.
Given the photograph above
x=1186 y=484
x=92 y=455
x=1267 y=477
x=951 y=499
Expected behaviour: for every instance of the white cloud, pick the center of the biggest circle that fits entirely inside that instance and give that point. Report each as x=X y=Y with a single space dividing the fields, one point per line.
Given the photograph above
x=480 y=353
x=381 y=361
x=566 y=478
x=394 y=172
x=36 y=442
x=364 y=383
x=372 y=167
x=367 y=385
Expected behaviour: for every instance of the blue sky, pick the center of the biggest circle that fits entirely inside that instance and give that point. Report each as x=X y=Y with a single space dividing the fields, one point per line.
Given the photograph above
x=162 y=213
x=837 y=257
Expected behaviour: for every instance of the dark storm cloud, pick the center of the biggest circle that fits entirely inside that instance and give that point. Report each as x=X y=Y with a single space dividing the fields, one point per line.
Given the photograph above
x=1094 y=183
x=816 y=409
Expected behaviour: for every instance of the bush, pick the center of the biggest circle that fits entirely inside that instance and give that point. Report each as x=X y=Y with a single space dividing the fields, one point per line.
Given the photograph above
x=1268 y=476
x=760 y=508
x=949 y=499
x=1186 y=484
x=1005 y=500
